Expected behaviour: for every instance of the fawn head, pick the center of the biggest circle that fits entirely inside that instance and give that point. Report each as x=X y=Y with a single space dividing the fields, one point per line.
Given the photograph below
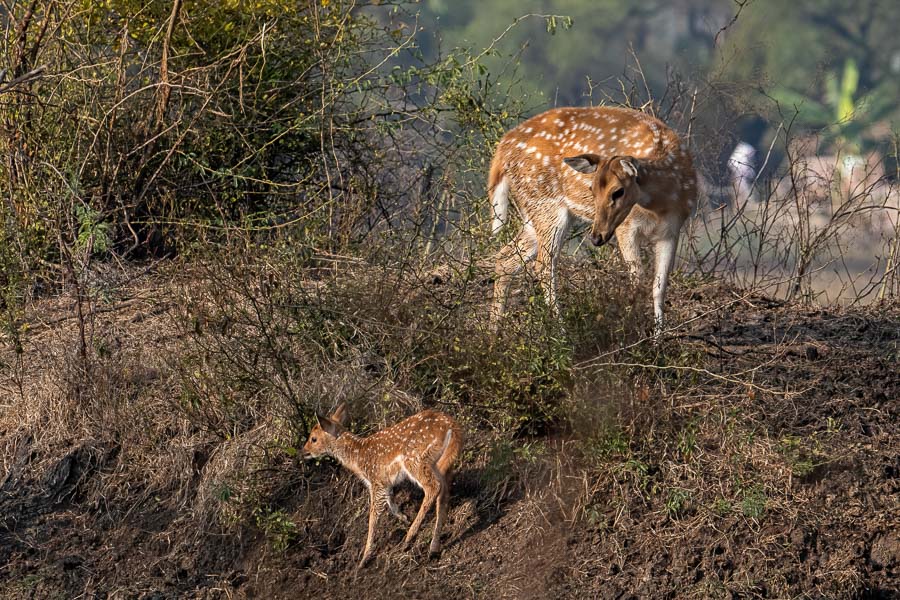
x=326 y=432
x=616 y=188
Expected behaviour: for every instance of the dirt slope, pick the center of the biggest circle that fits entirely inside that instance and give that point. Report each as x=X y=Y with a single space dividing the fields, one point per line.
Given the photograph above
x=752 y=495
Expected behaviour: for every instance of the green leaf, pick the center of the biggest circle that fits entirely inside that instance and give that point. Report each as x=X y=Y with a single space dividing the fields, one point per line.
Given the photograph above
x=849 y=84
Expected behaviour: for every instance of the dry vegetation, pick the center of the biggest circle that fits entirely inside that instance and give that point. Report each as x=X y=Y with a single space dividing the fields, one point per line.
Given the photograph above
x=753 y=452
x=153 y=406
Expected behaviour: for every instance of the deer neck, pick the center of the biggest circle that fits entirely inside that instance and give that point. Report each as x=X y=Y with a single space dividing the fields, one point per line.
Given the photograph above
x=662 y=181
x=349 y=450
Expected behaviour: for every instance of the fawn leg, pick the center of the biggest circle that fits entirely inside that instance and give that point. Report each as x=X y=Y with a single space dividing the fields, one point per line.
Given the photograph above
x=376 y=507
x=627 y=237
x=443 y=499
x=432 y=487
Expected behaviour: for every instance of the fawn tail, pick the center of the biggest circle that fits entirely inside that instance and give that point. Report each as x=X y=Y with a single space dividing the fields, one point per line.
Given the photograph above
x=452 y=446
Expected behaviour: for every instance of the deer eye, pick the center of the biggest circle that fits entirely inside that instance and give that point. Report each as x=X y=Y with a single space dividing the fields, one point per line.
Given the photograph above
x=618 y=194
x=313 y=440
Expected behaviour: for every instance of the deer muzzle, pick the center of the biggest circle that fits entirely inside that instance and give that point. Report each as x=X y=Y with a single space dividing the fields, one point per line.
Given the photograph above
x=598 y=239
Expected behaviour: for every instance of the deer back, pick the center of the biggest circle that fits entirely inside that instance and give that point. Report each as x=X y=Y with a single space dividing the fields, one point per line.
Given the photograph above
x=531 y=155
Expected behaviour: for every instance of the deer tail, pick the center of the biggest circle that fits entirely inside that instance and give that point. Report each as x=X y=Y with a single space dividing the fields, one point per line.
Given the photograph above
x=453 y=443
x=498 y=189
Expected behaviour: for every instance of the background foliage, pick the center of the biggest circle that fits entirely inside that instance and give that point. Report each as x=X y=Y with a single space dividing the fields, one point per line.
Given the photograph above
x=755 y=52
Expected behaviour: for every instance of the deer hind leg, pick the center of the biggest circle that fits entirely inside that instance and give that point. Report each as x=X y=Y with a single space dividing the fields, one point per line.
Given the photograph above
x=510 y=260
x=552 y=236
x=443 y=501
x=444 y=472
x=432 y=486
x=376 y=507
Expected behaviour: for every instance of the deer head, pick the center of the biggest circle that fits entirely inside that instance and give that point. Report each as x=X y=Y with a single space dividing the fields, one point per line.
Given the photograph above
x=616 y=188
x=326 y=432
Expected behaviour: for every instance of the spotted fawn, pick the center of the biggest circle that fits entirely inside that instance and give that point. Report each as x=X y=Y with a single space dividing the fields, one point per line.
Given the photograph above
x=421 y=448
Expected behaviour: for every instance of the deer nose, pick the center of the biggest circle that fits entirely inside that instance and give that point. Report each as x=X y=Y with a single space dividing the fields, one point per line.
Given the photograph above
x=597 y=239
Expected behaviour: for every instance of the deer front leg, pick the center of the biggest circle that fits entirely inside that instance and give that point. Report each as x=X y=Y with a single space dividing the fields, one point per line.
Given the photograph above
x=376 y=507
x=551 y=238
x=545 y=267
x=629 y=246
x=665 y=258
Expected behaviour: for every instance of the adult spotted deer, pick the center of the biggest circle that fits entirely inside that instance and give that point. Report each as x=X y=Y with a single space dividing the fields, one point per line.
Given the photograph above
x=622 y=170
x=421 y=448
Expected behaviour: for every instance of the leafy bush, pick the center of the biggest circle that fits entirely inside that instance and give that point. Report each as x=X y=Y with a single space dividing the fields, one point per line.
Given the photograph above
x=147 y=127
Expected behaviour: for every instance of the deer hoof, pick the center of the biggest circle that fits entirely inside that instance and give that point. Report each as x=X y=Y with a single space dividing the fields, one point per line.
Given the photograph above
x=362 y=563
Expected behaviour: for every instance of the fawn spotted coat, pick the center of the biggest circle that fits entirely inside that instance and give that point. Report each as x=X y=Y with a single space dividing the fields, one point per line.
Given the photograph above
x=421 y=448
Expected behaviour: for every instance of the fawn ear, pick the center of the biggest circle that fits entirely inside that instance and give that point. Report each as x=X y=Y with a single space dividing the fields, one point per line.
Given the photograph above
x=583 y=163
x=324 y=422
x=340 y=414
x=332 y=428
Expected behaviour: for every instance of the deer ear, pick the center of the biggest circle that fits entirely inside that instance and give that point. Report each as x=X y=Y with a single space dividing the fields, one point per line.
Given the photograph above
x=583 y=163
x=332 y=428
x=340 y=414
x=629 y=167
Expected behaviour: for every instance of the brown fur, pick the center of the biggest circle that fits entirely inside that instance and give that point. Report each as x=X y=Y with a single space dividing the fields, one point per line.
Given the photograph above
x=422 y=448
x=622 y=170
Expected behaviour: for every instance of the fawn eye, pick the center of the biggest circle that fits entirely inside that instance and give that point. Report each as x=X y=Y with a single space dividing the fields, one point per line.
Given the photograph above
x=313 y=440
x=618 y=194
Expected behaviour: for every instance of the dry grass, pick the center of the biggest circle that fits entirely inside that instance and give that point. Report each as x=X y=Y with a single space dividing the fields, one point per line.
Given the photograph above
x=701 y=457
